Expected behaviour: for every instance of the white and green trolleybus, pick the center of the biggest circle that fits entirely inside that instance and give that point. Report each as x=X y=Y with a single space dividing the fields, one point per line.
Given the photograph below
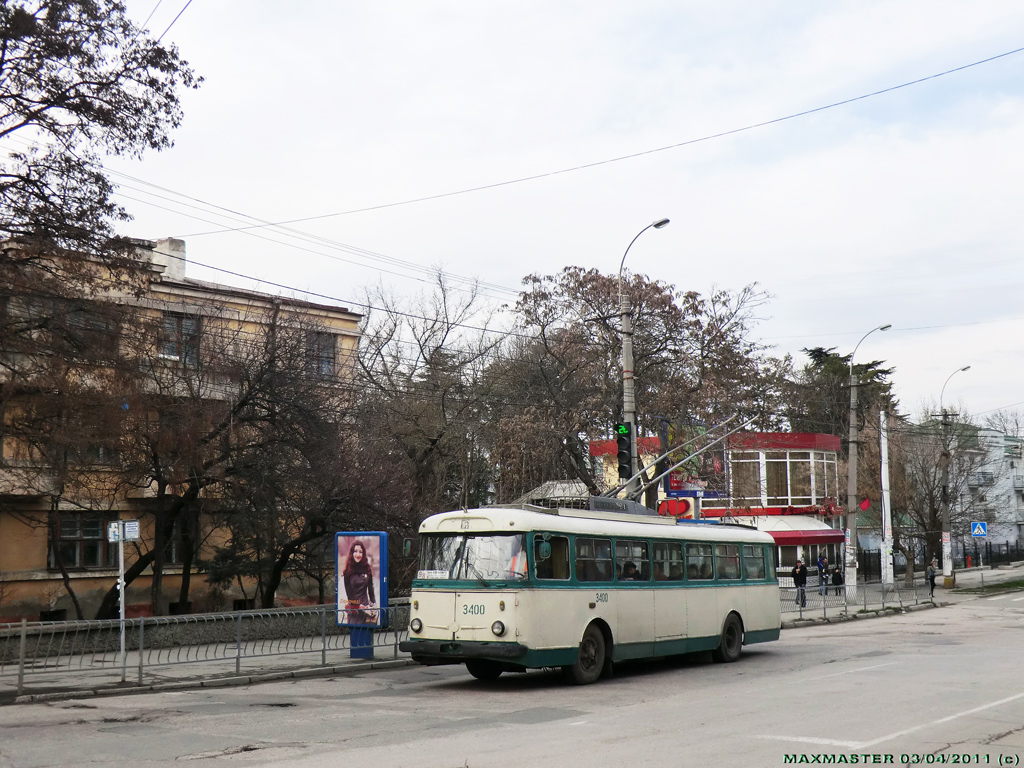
x=506 y=589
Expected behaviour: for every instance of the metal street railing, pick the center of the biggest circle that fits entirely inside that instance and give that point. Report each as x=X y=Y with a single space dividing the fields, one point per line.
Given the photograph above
x=828 y=601
x=38 y=650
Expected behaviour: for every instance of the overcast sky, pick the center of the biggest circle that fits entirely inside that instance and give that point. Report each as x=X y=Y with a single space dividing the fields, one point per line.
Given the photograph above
x=903 y=208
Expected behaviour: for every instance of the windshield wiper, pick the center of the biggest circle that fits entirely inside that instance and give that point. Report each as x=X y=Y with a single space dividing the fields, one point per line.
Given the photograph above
x=476 y=572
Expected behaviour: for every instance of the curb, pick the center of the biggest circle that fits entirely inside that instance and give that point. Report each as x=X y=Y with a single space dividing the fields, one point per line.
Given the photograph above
x=846 y=617
x=217 y=682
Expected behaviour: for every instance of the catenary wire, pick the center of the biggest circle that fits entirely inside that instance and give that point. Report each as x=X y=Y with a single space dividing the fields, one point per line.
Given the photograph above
x=633 y=155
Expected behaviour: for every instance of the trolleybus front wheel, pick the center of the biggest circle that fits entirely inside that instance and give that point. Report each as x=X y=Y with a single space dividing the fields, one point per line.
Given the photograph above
x=591 y=660
x=732 y=640
x=483 y=669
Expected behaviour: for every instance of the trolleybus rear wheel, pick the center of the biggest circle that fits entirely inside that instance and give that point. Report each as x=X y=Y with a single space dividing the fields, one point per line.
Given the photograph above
x=590 y=662
x=483 y=669
x=732 y=640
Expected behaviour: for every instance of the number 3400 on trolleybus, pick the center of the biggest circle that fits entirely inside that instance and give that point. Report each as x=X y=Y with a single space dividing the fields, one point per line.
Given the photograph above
x=511 y=589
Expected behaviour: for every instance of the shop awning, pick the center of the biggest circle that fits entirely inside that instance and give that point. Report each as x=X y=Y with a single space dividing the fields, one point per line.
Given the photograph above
x=793 y=530
x=793 y=538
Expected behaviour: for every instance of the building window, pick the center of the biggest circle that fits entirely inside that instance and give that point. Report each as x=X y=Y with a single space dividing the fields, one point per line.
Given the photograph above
x=92 y=332
x=97 y=454
x=179 y=338
x=321 y=353
x=174 y=552
x=82 y=541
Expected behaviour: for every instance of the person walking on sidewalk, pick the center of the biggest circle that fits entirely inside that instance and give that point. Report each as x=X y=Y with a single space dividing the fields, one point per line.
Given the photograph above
x=930 y=573
x=800 y=582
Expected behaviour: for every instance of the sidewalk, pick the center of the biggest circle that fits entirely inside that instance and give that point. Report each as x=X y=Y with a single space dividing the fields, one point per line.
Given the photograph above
x=874 y=606
x=209 y=674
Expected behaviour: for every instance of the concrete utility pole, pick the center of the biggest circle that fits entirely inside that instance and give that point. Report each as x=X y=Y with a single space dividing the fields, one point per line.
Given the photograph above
x=883 y=441
x=628 y=394
x=948 y=580
x=851 y=478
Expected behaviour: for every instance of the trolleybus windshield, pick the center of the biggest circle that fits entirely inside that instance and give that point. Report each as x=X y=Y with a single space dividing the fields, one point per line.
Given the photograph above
x=484 y=557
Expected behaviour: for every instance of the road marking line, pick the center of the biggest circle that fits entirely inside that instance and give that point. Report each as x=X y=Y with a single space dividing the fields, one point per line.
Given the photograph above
x=1017 y=599
x=904 y=732
x=997 y=597
x=851 y=671
x=812 y=740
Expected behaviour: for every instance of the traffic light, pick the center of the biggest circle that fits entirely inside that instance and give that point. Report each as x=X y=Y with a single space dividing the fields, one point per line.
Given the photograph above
x=624 y=442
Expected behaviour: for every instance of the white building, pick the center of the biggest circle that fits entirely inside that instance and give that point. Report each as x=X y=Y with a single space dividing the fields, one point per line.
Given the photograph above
x=995 y=489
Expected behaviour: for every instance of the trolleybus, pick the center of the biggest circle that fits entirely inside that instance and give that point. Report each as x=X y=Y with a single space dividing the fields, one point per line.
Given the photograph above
x=506 y=589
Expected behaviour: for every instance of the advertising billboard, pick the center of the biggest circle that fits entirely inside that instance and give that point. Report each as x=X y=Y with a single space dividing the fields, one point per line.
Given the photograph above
x=362 y=573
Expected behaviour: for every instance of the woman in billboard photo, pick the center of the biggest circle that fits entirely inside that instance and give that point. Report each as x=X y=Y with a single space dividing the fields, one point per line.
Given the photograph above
x=359 y=592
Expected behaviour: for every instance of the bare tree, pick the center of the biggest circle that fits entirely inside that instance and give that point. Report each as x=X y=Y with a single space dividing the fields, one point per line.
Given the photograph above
x=1009 y=421
x=693 y=363
x=423 y=391
x=918 y=456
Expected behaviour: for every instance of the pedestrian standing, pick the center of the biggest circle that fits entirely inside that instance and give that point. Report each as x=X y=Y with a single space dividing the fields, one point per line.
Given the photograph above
x=837 y=580
x=930 y=573
x=800 y=582
x=822 y=575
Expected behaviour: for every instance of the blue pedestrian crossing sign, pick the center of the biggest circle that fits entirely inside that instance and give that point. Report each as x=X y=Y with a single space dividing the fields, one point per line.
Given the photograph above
x=979 y=529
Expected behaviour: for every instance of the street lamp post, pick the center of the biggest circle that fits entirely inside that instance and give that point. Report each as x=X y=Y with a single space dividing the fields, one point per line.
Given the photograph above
x=851 y=477
x=628 y=394
x=947 y=544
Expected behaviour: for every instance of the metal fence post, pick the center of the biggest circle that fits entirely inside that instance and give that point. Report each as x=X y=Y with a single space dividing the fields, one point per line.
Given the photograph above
x=391 y=623
x=238 y=645
x=323 y=635
x=142 y=626
x=21 y=656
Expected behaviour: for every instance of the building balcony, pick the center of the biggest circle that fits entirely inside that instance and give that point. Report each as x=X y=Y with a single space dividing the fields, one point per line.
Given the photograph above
x=976 y=479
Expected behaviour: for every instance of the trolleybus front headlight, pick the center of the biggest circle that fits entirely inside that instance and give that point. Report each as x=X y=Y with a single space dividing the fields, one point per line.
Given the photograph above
x=498 y=628
x=416 y=625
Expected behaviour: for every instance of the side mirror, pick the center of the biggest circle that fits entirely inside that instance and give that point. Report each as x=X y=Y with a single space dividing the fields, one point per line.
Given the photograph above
x=544 y=550
x=410 y=548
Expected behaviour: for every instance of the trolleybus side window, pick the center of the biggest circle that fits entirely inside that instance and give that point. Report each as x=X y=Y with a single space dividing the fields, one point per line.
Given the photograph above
x=699 y=562
x=753 y=561
x=632 y=562
x=727 y=561
x=668 y=561
x=551 y=556
x=593 y=559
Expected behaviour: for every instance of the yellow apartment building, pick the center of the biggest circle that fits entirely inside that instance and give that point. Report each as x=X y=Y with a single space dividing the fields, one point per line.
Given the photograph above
x=157 y=348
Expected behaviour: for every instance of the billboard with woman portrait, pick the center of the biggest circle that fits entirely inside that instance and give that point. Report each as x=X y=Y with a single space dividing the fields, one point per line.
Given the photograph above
x=362 y=572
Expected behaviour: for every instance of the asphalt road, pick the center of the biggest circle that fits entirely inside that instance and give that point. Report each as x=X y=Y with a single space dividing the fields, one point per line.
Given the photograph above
x=941 y=682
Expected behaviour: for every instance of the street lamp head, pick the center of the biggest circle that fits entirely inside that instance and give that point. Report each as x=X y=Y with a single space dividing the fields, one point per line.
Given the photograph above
x=885 y=327
x=942 y=391
x=660 y=223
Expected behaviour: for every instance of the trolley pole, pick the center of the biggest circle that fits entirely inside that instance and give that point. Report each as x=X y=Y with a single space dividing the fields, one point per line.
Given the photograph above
x=628 y=391
x=948 y=577
x=851 y=477
x=888 y=577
